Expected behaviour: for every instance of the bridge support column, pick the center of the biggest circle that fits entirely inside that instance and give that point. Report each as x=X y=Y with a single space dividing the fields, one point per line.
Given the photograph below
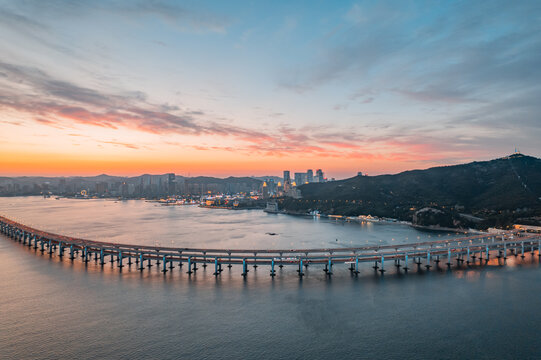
x=215 y=267
x=120 y=259
x=356 y=265
x=468 y=256
x=428 y=266
x=141 y=262
x=522 y=254
x=487 y=254
x=50 y=247
x=102 y=257
x=301 y=274
x=229 y=265
x=42 y=247
x=272 y=272
x=61 y=250
x=449 y=259
x=204 y=260
x=189 y=265
x=405 y=263
x=244 y=268
x=382 y=270
x=164 y=270
x=329 y=271
x=35 y=242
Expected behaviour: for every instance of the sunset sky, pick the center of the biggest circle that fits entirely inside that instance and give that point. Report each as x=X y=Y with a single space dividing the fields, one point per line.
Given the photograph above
x=252 y=88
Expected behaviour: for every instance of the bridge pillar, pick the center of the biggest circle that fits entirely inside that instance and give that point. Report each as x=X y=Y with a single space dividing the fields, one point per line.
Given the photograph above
x=356 y=265
x=229 y=264
x=189 y=265
x=244 y=268
x=102 y=257
x=301 y=274
x=141 y=262
x=215 y=267
x=539 y=248
x=35 y=242
x=164 y=270
x=522 y=254
x=329 y=271
x=120 y=259
x=449 y=259
x=487 y=254
x=272 y=272
x=468 y=256
x=382 y=270
x=171 y=267
x=204 y=260
x=42 y=247
x=61 y=250
x=149 y=264
x=428 y=266
x=405 y=267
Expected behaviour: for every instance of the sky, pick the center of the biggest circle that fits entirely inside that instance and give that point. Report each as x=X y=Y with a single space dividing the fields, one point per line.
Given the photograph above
x=248 y=88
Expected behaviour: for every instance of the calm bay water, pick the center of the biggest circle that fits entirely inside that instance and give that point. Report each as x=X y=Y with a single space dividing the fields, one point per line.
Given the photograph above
x=61 y=309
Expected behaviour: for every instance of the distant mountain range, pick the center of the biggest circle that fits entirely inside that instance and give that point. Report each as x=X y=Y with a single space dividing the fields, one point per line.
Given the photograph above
x=508 y=187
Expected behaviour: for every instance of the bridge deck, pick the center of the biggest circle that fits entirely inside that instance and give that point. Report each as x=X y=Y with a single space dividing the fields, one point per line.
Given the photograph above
x=462 y=249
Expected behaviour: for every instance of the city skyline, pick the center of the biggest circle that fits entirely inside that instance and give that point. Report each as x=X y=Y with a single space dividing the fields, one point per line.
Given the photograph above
x=242 y=90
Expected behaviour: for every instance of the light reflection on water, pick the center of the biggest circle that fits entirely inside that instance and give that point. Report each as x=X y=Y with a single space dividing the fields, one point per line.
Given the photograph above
x=52 y=308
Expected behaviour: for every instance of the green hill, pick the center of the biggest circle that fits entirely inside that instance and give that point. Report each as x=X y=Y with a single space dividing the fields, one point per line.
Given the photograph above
x=508 y=187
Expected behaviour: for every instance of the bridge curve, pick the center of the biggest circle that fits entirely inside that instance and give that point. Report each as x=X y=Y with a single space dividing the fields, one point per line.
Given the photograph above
x=464 y=249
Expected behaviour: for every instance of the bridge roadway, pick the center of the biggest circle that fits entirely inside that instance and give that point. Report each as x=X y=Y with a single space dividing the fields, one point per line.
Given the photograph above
x=464 y=249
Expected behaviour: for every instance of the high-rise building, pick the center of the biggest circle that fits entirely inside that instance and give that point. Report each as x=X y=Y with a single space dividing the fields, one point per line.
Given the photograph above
x=171 y=184
x=287 y=180
x=310 y=176
x=319 y=175
x=287 y=176
x=300 y=178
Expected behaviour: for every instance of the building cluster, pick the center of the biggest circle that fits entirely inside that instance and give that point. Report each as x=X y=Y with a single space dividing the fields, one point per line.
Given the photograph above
x=144 y=186
x=159 y=186
x=289 y=186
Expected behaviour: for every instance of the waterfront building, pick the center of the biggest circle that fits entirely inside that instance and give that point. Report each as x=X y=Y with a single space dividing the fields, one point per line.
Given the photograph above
x=310 y=176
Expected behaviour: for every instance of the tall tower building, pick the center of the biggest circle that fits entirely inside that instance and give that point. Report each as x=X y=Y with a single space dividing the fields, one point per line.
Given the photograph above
x=287 y=180
x=171 y=184
x=310 y=176
x=287 y=176
x=319 y=175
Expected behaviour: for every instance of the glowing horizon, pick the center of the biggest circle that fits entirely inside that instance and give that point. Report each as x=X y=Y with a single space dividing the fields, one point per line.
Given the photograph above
x=127 y=88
